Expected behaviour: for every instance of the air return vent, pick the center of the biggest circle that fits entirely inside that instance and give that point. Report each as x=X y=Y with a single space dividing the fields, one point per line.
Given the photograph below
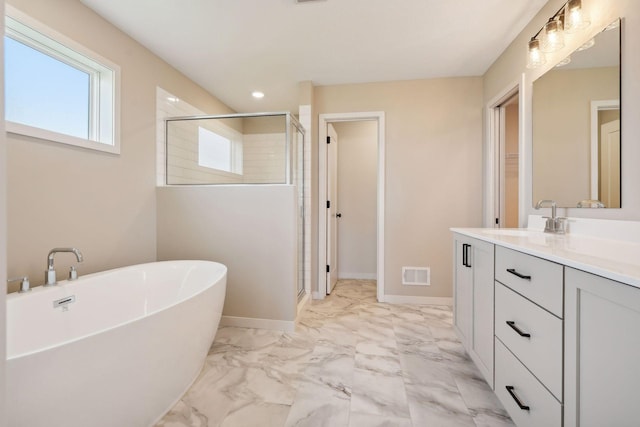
x=416 y=276
x=308 y=1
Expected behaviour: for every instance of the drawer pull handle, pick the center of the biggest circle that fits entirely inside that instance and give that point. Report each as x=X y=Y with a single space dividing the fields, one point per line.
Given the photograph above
x=513 y=394
x=515 y=273
x=513 y=326
x=465 y=255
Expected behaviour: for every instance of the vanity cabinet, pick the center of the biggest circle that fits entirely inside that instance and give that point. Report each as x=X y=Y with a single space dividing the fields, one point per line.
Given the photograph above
x=565 y=342
x=528 y=337
x=602 y=351
x=473 y=300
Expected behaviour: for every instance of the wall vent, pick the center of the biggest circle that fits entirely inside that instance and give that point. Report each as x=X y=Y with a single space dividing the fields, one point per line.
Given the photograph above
x=416 y=276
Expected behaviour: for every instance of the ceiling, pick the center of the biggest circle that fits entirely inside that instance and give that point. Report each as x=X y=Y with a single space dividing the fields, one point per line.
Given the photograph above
x=233 y=47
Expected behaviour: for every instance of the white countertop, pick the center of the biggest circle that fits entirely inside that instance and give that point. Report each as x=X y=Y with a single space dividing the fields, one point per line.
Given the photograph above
x=614 y=259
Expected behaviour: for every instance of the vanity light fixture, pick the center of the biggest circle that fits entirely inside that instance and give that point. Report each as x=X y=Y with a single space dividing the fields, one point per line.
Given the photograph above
x=550 y=38
x=535 y=57
x=257 y=94
x=574 y=17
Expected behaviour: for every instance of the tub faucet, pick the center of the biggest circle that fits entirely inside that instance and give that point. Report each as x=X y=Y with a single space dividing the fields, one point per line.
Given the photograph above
x=554 y=224
x=50 y=274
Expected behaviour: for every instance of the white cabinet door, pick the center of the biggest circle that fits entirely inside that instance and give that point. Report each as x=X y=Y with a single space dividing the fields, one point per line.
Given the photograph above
x=462 y=290
x=482 y=308
x=473 y=300
x=602 y=352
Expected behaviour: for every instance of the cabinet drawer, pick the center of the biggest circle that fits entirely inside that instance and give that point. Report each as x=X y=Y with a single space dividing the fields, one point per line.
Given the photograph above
x=535 y=278
x=541 y=351
x=543 y=408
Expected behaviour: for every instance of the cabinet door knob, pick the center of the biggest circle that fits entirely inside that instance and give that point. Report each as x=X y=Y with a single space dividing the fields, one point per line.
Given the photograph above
x=513 y=326
x=513 y=394
x=515 y=273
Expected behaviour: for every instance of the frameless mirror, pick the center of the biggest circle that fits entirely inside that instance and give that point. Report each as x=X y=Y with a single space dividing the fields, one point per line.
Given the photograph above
x=576 y=126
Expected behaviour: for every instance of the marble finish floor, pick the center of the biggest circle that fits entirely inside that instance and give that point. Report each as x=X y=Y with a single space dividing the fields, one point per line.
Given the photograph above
x=352 y=362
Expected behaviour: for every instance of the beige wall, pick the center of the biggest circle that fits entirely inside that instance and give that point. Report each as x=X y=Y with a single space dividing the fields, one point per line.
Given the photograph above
x=562 y=130
x=103 y=204
x=433 y=168
x=511 y=66
x=357 y=198
x=250 y=229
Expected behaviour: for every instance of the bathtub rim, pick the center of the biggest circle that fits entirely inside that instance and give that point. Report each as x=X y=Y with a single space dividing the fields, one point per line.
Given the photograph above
x=63 y=285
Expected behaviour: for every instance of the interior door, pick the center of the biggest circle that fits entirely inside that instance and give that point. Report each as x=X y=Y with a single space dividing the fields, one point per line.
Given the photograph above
x=610 y=164
x=332 y=208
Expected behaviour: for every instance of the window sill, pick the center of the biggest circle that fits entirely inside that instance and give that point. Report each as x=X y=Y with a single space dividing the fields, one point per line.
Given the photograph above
x=55 y=137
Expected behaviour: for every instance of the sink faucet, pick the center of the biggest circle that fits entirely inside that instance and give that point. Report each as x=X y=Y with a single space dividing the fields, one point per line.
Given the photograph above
x=554 y=224
x=50 y=274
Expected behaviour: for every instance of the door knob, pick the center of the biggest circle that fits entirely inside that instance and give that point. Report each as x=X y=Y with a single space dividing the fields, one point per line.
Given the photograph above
x=339 y=215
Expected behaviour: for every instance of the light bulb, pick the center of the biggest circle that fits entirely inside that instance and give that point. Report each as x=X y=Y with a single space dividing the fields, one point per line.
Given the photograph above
x=574 y=18
x=552 y=36
x=535 y=57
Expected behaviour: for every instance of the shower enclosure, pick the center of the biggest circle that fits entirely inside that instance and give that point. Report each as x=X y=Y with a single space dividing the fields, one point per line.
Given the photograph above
x=240 y=149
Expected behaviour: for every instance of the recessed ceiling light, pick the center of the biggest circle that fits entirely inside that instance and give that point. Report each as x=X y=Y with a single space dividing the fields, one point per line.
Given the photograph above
x=173 y=99
x=257 y=94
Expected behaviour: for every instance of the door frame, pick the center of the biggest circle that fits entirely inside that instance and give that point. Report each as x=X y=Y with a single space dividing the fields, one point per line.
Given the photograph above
x=323 y=121
x=494 y=200
x=596 y=106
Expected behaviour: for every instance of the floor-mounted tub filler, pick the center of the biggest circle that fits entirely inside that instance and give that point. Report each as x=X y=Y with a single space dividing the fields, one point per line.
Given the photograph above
x=116 y=348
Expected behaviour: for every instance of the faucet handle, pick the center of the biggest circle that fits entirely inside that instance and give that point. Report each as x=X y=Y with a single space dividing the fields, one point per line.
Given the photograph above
x=50 y=277
x=73 y=273
x=25 y=285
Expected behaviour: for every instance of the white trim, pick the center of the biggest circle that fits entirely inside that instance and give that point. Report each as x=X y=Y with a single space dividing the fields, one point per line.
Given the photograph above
x=357 y=276
x=492 y=202
x=525 y=150
x=250 y=322
x=105 y=90
x=318 y=294
x=59 y=138
x=596 y=106
x=409 y=299
x=324 y=120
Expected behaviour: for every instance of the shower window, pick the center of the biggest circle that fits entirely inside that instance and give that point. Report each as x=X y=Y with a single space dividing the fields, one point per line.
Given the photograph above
x=230 y=149
x=218 y=152
x=57 y=90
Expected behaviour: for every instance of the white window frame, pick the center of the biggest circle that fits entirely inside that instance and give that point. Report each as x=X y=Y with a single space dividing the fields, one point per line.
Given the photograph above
x=104 y=110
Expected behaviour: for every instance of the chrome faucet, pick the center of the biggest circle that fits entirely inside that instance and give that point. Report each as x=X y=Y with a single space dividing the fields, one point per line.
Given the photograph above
x=554 y=224
x=50 y=274
x=25 y=286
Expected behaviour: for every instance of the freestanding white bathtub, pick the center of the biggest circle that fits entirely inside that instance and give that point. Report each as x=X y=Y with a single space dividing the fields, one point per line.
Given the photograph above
x=120 y=354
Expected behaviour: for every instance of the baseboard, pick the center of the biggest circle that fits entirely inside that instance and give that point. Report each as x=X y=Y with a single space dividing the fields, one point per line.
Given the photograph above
x=303 y=302
x=357 y=276
x=318 y=295
x=250 y=322
x=408 y=299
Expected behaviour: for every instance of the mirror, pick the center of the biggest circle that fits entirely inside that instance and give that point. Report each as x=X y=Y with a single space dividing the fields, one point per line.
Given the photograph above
x=576 y=126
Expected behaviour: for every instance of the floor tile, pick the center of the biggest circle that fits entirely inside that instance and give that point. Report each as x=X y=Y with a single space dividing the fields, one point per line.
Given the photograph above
x=351 y=362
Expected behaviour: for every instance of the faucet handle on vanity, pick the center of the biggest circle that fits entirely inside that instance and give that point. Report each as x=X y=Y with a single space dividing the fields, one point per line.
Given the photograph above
x=25 y=285
x=73 y=273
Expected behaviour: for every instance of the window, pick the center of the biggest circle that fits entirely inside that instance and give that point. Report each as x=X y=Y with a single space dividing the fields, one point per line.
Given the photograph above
x=214 y=151
x=57 y=90
x=218 y=152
